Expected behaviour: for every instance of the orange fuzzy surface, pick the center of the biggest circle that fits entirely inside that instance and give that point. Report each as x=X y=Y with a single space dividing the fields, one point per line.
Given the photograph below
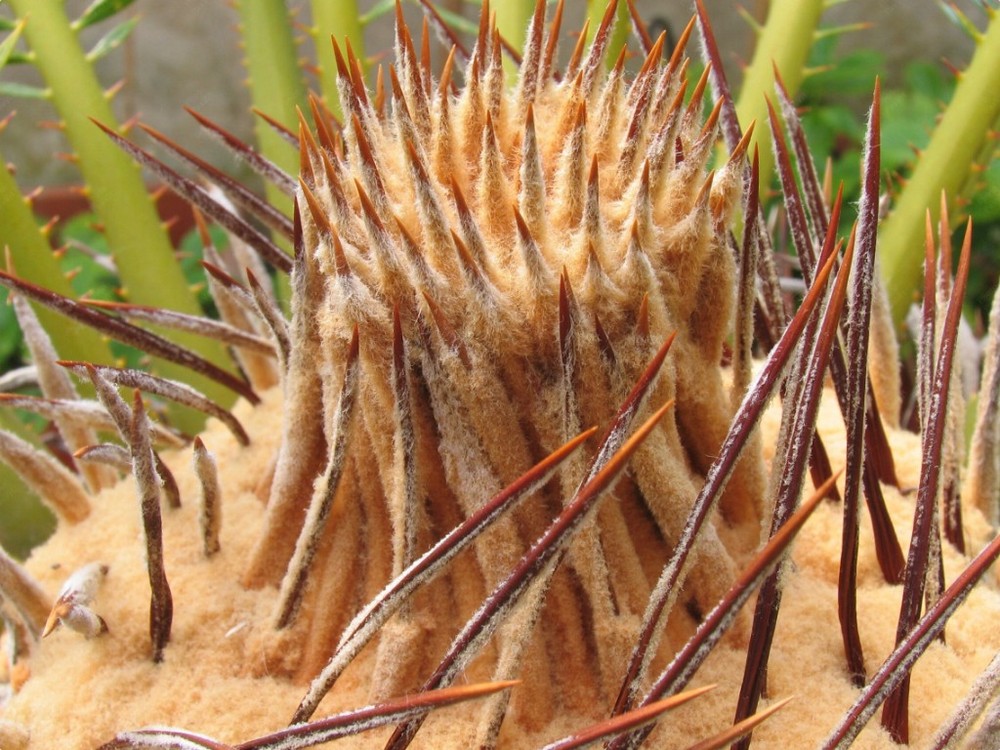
x=82 y=692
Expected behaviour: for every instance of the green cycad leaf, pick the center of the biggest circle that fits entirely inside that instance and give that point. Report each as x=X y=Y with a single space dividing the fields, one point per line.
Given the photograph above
x=960 y=141
x=98 y=11
x=23 y=90
x=908 y=120
x=458 y=22
x=377 y=11
x=27 y=523
x=784 y=43
x=752 y=22
x=7 y=45
x=928 y=79
x=145 y=257
x=19 y=58
x=33 y=260
x=620 y=30
x=10 y=336
x=340 y=18
x=112 y=39
x=962 y=21
x=850 y=75
x=277 y=87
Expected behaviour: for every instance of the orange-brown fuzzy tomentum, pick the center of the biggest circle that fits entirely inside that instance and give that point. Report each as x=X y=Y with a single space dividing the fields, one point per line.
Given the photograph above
x=503 y=448
x=507 y=274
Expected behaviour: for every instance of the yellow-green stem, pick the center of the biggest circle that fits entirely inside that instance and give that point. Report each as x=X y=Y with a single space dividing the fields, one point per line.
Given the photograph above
x=114 y=184
x=945 y=164
x=784 y=41
x=33 y=260
x=277 y=89
x=341 y=20
x=513 y=17
x=275 y=80
x=24 y=520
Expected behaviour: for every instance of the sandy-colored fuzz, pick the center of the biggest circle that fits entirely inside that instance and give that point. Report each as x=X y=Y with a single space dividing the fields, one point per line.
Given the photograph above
x=99 y=686
x=82 y=691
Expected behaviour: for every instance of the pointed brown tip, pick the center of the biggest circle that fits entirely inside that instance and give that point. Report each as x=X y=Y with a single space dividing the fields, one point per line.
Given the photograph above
x=444 y=86
x=744 y=144
x=655 y=54
x=677 y=56
x=342 y=70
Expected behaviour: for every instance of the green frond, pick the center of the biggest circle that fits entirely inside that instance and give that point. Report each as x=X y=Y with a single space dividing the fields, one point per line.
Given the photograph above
x=112 y=40
x=277 y=87
x=340 y=19
x=783 y=44
x=7 y=46
x=98 y=11
x=962 y=21
x=116 y=189
x=958 y=142
x=381 y=8
x=619 y=32
x=513 y=18
x=33 y=260
x=752 y=22
x=24 y=90
x=27 y=522
x=457 y=21
x=816 y=70
x=838 y=30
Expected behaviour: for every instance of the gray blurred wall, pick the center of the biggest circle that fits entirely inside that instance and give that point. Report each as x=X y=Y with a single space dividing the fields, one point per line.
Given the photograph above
x=185 y=52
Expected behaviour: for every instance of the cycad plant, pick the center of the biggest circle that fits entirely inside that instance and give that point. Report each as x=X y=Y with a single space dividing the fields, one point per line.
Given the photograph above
x=511 y=434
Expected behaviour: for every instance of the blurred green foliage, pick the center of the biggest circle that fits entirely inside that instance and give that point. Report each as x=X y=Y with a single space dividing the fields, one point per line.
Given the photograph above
x=85 y=260
x=833 y=116
x=26 y=522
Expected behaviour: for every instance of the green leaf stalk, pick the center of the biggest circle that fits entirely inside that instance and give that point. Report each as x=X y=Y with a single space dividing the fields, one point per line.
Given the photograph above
x=619 y=33
x=960 y=140
x=275 y=81
x=783 y=43
x=512 y=21
x=34 y=261
x=114 y=183
x=341 y=19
